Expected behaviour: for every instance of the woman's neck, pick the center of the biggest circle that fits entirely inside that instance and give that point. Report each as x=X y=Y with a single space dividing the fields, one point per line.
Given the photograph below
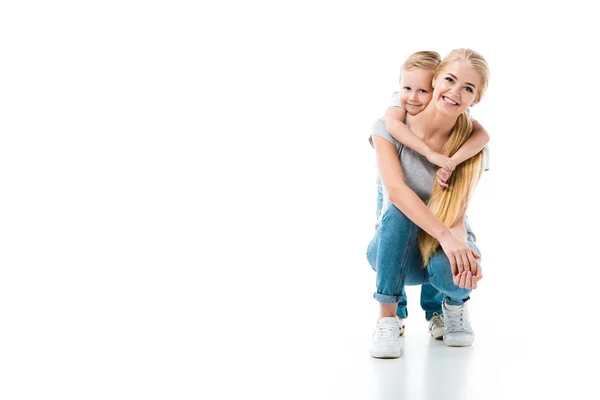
x=431 y=125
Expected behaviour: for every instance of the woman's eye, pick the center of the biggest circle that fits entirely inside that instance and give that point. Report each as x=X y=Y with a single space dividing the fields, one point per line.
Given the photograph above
x=449 y=79
x=406 y=88
x=469 y=89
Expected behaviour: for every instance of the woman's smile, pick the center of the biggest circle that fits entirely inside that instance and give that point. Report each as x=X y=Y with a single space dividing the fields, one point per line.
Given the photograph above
x=450 y=101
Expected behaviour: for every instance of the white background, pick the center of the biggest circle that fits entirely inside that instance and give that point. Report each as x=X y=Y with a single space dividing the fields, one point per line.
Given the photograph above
x=187 y=191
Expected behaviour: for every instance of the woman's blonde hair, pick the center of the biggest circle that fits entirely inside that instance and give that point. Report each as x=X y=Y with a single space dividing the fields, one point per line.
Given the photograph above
x=450 y=205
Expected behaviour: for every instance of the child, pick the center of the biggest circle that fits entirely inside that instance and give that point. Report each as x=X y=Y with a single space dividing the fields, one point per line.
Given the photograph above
x=416 y=77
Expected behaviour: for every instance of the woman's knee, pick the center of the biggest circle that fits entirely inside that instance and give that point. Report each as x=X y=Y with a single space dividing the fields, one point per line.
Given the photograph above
x=439 y=273
x=372 y=252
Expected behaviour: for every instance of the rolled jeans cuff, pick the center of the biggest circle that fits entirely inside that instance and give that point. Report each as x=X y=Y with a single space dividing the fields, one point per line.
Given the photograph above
x=457 y=302
x=384 y=298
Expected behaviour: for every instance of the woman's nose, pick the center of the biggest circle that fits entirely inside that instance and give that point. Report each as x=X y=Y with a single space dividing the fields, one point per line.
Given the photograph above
x=454 y=90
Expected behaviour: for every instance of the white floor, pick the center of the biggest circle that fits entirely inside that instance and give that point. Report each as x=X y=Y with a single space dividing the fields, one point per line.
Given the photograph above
x=330 y=360
x=428 y=369
x=154 y=336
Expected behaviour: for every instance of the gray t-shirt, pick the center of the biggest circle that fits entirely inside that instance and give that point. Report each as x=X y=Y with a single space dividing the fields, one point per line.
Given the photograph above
x=419 y=174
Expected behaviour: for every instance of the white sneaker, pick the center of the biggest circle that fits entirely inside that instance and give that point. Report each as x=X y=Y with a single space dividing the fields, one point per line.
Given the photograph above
x=386 y=339
x=401 y=323
x=458 y=331
x=436 y=326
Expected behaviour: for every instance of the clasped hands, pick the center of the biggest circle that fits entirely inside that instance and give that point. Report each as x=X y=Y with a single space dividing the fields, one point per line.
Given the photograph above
x=466 y=269
x=446 y=164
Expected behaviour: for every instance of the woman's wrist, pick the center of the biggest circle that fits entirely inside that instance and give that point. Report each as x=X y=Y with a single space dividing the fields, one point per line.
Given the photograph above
x=443 y=233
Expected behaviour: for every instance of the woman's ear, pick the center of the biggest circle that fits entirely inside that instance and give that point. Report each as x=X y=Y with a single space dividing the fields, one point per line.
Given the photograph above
x=433 y=82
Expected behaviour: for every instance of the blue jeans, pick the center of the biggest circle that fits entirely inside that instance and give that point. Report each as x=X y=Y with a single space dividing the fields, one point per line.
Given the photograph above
x=431 y=298
x=394 y=254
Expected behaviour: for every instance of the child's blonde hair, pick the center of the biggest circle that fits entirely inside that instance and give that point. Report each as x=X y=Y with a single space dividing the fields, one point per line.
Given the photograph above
x=421 y=59
x=450 y=204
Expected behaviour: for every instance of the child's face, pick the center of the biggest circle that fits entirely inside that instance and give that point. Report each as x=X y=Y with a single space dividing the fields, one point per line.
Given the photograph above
x=416 y=89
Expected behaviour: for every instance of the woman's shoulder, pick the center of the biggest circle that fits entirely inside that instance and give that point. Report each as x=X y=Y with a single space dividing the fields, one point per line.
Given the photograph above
x=378 y=129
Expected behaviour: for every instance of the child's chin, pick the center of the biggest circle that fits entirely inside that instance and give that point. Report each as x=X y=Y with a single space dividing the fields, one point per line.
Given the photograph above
x=411 y=110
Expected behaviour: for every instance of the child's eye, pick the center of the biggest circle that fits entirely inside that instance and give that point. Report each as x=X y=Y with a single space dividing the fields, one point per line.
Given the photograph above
x=422 y=91
x=406 y=88
x=449 y=79
x=469 y=89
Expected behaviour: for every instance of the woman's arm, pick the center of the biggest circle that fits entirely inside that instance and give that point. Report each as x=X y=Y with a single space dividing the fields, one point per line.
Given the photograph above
x=460 y=255
x=401 y=195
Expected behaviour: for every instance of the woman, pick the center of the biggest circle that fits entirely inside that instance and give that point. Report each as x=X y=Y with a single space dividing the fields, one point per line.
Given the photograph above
x=405 y=249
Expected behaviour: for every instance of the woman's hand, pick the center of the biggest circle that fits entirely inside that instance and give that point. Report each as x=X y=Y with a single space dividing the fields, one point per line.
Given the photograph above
x=466 y=280
x=462 y=259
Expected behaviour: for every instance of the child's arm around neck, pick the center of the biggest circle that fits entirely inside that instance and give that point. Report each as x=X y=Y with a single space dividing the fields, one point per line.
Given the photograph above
x=394 y=123
x=474 y=144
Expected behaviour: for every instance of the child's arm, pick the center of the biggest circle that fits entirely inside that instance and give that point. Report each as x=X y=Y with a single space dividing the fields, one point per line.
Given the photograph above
x=394 y=117
x=474 y=144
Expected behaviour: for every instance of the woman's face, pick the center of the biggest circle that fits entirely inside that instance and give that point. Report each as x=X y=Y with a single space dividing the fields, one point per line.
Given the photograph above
x=455 y=88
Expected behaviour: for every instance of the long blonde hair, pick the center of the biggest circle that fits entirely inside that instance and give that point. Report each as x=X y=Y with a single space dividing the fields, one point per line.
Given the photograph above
x=450 y=205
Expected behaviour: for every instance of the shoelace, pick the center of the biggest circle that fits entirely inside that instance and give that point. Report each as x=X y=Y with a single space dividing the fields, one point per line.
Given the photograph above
x=386 y=333
x=454 y=319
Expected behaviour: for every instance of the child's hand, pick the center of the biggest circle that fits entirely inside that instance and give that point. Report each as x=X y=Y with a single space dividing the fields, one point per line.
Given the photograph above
x=441 y=161
x=442 y=177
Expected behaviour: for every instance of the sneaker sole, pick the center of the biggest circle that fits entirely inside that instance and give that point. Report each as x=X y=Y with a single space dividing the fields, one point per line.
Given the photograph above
x=458 y=344
x=386 y=355
x=440 y=336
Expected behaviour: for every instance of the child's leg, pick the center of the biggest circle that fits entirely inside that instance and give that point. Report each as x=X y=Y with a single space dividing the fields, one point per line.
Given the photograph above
x=402 y=311
x=431 y=300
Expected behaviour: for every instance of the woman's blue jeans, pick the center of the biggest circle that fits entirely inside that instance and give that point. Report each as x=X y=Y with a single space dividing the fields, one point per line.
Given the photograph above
x=394 y=254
